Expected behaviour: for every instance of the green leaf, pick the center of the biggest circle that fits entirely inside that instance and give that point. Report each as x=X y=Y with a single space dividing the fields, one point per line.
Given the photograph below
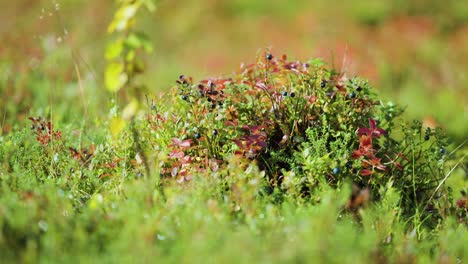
x=130 y=56
x=139 y=40
x=114 y=49
x=115 y=77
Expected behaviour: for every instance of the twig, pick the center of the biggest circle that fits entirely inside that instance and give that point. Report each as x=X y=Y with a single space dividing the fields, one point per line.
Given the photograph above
x=445 y=178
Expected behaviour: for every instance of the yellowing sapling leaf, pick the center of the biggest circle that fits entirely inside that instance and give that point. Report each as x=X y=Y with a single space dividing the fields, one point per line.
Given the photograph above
x=122 y=18
x=114 y=49
x=115 y=77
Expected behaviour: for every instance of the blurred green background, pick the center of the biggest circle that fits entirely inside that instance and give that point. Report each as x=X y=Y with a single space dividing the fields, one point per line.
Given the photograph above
x=415 y=52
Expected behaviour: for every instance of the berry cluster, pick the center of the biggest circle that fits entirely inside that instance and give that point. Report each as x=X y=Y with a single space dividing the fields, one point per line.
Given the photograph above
x=44 y=130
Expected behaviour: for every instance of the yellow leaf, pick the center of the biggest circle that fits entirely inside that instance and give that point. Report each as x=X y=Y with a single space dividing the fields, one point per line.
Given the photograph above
x=117 y=124
x=115 y=77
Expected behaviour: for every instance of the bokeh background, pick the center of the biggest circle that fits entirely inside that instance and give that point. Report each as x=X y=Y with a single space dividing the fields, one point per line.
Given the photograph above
x=415 y=52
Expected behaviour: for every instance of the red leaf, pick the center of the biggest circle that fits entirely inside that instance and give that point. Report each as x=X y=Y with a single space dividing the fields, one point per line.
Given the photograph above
x=356 y=154
x=398 y=165
x=238 y=143
x=186 y=143
x=364 y=131
x=231 y=123
x=372 y=123
x=175 y=141
x=366 y=172
x=176 y=154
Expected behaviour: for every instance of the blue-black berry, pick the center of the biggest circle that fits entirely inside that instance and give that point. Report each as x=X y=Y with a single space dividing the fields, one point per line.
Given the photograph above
x=285 y=93
x=426 y=137
x=349 y=164
x=184 y=97
x=359 y=89
x=269 y=56
x=33 y=127
x=197 y=135
x=323 y=84
x=336 y=170
x=292 y=94
x=352 y=95
x=442 y=150
x=215 y=132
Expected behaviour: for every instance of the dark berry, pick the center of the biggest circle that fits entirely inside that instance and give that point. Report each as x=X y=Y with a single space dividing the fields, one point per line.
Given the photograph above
x=201 y=93
x=197 y=135
x=215 y=132
x=213 y=106
x=336 y=170
x=209 y=99
x=442 y=150
x=181 y=77
x=41 y=127
x=267 y=190
x=33 y=127
x=323 y=84
x=426 y=137
x=285 y=93
x=292 y=94
x=359 y=89
x=184 y=97
x=349 y=164
x=269 y=56
x=352 y=95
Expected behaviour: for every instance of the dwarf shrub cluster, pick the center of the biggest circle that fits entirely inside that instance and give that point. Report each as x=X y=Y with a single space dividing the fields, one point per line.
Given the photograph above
x=267 y=150
x=303 y=125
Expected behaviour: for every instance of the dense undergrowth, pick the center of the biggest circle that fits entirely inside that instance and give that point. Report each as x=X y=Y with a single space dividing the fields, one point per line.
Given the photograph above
x=285 y=161
x=282 y=161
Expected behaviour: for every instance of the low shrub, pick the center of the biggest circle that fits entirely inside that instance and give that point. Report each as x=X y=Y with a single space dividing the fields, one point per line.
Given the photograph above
x=304 y=125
